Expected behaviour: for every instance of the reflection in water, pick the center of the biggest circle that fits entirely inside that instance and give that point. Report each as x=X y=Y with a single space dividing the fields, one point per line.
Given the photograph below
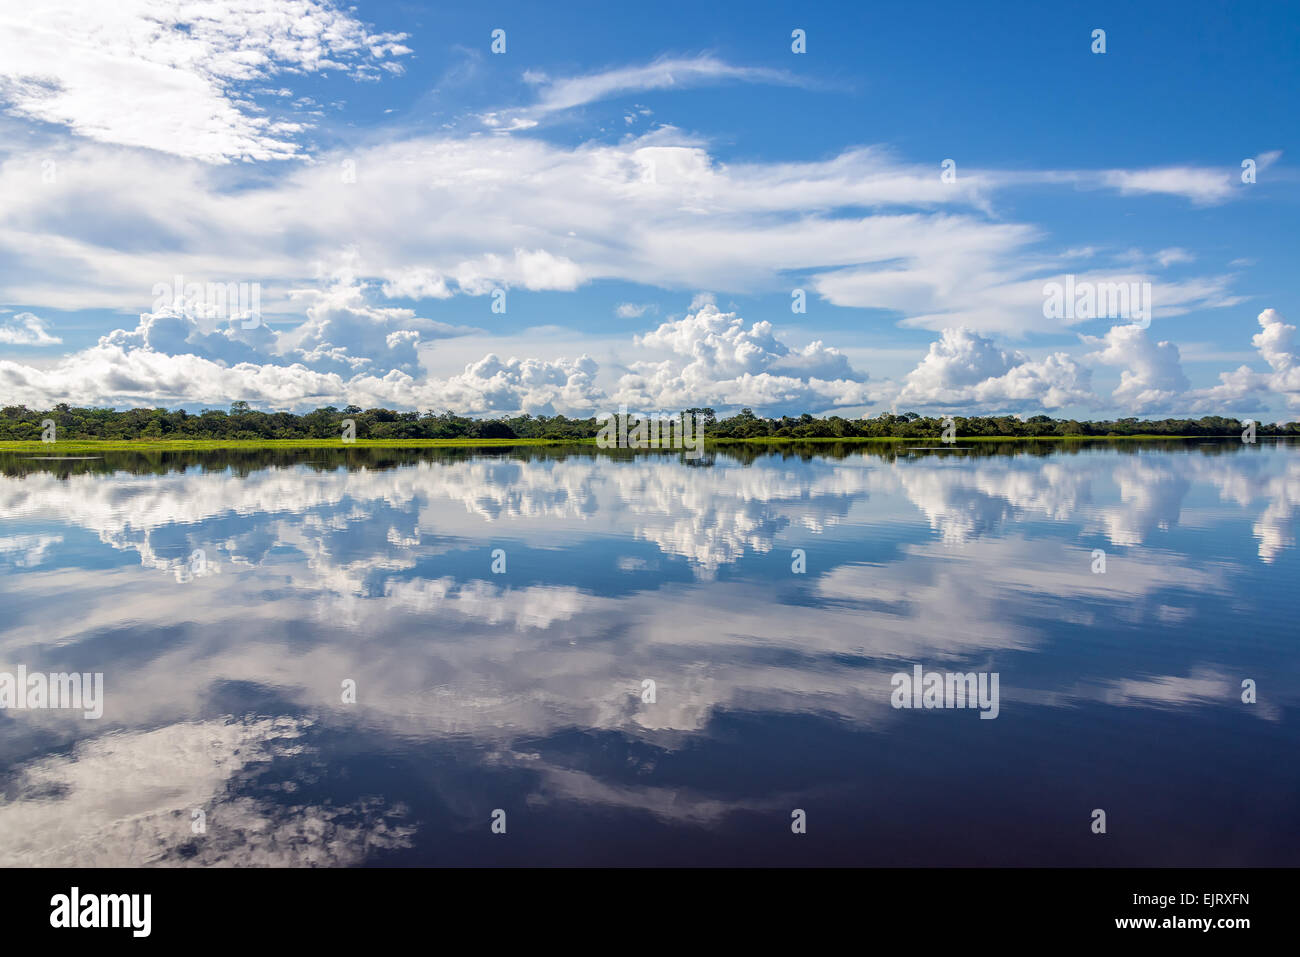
x=499 y=612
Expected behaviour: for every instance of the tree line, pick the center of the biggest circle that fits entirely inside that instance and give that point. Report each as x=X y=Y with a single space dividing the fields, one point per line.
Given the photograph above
x=244 y=423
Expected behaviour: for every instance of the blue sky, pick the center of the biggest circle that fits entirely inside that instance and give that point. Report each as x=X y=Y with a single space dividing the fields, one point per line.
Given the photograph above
x=646 y=188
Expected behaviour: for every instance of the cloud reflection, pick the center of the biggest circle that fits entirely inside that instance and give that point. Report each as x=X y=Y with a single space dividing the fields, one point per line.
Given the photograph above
x=622 y=570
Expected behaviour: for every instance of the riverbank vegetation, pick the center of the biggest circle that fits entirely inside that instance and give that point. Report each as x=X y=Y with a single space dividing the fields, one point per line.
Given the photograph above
x=162 y=428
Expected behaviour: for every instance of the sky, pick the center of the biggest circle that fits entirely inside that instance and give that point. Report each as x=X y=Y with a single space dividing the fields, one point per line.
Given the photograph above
x=502 y=208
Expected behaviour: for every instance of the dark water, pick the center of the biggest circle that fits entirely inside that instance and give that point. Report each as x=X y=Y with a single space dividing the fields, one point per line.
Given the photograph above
x=522 y=691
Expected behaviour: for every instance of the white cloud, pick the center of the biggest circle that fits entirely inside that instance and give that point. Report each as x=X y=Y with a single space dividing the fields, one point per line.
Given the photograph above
x=111 y=374
x=437 y=216
x=993 y=287
x=1201 y=185
x=669 y=73
x=963 y=368
x=25 y=329
x=119 y=797
x=434 y=215
x=417 y=283
x=1204 y=687
x=27 y=551
x=713 y=359
x=1204 y=186
x=342 y=333
x=663 y=74
x=1167 y=257
x=1151 y=377
x=1276 y=344
x=534 y=269
x=348 y=351
x=169 y=77
x=1246 y=387
x=491 y=385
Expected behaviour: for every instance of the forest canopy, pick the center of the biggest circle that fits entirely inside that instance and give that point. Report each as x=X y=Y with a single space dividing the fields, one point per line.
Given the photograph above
x=18 y=423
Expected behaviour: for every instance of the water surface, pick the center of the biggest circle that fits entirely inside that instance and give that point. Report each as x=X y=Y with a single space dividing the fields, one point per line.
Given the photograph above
x=499 y=612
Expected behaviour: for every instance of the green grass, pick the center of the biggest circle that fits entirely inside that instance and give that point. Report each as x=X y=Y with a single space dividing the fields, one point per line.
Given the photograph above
x=198 y=445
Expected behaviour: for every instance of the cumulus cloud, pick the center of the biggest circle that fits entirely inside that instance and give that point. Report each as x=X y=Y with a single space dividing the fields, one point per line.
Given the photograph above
x=342 y=333
x=1151 y=378
x=348 y=351
x=109 y=374
x=178 y=72
x=714 y=359
x=1276 y=345
x=440 y=215
x=25 y=329
x=184 y=353
x=183 y=328
x=963 y=368
x=492 y=385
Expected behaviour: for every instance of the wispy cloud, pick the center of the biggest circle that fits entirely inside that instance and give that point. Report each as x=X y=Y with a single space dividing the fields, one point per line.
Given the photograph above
x=634 y=310
x=170 y=77
x=670 y=73
x=25 y=329
x=1202 y=185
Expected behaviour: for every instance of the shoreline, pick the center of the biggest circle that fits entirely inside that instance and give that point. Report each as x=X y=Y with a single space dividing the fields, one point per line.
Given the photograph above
x=203 y=445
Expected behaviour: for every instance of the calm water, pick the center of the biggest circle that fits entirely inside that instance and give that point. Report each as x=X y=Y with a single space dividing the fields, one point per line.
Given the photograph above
x=522 y=691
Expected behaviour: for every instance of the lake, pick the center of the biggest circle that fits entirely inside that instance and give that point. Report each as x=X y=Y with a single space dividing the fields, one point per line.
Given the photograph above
x=567 y=656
